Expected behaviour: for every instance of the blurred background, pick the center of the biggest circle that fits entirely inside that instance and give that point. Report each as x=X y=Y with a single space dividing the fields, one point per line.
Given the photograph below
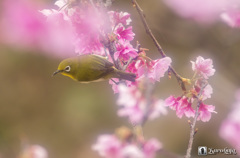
x=66 y=117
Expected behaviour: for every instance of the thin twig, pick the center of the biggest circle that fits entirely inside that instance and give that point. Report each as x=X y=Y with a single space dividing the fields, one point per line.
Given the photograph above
x=192 y=126
x=127 y=64
x=148 y=95
x=131 y=59
x=112 y=49
x=160 y=50
x=138 y=132
x=148 y=30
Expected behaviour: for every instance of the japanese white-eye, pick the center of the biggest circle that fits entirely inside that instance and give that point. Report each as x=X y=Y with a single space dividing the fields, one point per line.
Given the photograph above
x=89 y=68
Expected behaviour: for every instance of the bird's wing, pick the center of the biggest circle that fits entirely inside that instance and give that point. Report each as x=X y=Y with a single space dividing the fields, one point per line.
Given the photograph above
x=97 y=67
x=101 y=65
x=99 y=62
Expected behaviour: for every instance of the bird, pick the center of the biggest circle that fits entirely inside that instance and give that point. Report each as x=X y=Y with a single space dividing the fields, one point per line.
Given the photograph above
x=91 y=68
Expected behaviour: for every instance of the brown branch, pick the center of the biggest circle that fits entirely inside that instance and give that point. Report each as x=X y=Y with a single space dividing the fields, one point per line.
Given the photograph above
x=147 y=28
x=160 y=50
x=128 y=63
x=192 y=125
x=112 y=49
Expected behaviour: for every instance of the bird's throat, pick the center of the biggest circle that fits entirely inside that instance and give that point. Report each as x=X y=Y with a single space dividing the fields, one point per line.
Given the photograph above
x=68 y=75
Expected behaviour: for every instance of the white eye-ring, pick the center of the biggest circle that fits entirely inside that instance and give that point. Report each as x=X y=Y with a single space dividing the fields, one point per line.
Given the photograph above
x=67 y=68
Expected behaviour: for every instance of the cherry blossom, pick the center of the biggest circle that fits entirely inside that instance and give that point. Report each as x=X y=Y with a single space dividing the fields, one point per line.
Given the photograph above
x=151 y=147
x=125 y=51
x=205 y=112
x=87 y=29
x=87 y=24
x=206 y=92
x=182 y=105
x=125 y=34
x=132 y=151
x=202 y=11
x=173 y=102
x=160 y=66
x=30 y=30
x=232 y=18
x=62 y=3
x=153 y=69
x=120 y=18
x=134 y=105
x=159 y=108
x=185 y=108
x=230 y=127
x=109 y=146
x=203 y=67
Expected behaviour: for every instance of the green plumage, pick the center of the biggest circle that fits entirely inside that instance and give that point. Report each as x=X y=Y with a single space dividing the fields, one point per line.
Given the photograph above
x=87 y=68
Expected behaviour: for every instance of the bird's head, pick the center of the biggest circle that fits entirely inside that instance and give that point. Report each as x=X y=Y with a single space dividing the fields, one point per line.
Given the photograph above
x=66 y=68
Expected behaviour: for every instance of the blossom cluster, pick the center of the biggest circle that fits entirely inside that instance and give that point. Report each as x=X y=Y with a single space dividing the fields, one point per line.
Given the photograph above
x=110 y=34
x=230 y=127
x=111 y=146
x=89 y=29
x=22 y=25
x=93 y=31
x=134 y=105
x=78 y=27
x=183 y=105
x=205 y=11
x=84 y=23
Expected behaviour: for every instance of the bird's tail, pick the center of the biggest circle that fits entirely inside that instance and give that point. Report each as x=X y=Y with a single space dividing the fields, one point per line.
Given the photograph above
x=125 y=75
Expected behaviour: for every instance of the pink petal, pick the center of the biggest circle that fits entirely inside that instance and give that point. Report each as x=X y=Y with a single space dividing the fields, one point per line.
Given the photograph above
x=160 y=67
x=151 y=147
x=108 y=146
x=205 y=112
x=203 y=67
x=158 y=109
x=232 y=18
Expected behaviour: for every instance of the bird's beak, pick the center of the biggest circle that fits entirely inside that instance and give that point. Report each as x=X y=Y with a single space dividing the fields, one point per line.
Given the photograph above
x=56 y=72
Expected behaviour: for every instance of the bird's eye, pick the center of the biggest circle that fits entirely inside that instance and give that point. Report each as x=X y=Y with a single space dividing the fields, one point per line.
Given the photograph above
x=67 y=68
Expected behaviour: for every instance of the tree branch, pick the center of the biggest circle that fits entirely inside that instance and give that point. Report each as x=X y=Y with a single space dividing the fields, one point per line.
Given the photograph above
x=160 y=50
x=192 y=126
